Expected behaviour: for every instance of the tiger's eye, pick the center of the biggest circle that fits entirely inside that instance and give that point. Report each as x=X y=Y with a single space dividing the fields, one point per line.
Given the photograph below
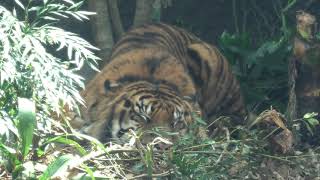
x=123 y=131
x=106 y=85
x=152 y=109
x=175 y=124
x=146 y=118
x=120 y=133
x=178 y=125
x=127 y=103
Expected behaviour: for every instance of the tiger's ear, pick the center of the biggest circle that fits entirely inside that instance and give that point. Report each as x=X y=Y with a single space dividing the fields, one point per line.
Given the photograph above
x=110 y=86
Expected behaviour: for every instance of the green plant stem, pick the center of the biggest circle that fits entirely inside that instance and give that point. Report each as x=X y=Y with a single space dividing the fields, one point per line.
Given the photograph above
x=234 y=13
x=26 y=17
x=289 y=5
x=283 y=17
x=244 y=17
x=268 y=135
x=276 y=157
x=164 y=174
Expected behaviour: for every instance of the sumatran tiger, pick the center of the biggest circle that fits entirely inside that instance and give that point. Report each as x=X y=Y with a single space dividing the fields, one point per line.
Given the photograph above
x=157 y=76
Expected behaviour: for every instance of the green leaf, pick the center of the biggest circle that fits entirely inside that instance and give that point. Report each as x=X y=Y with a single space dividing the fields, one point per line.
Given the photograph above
x=36 y=8
x=199 y=119
x=304 y=34
x=310 y=121
x=93 y=140
x=26 y=123
x=50 y=18
x=7 y=150
x=69 y=1
x=310 y=115
x=87 y=13
x=65 y=140
x=89 y=172
x=317 y=36
x=19 y=4
x=309 y=128
x=75 y=6
x=313 y=122
x=149 y=159
x=57 y=166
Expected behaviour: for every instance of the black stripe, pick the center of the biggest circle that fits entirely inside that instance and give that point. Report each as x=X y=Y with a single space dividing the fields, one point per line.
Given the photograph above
x=136 y=42
x=159 y=38
x=108 y=133
x=158 y=95
x=145 y=97
x=195 y=77
x=121 y=117
x=122 y=50
x=170 y=38
x=181 y=46
x=151 y=80
x=153 y=64
x=195 y=58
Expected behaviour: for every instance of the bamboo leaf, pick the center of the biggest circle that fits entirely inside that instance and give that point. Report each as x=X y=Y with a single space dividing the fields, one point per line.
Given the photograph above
x=26 y=123
x=64 y=140
x=57 y=166
x=19 y=4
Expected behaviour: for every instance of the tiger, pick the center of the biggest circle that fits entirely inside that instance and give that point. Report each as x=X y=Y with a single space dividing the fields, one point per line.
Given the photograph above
x=159 y=75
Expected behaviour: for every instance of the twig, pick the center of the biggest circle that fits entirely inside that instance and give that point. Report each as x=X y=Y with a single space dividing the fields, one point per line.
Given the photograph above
x=275 y=157
x=203 y=152
x=164 y=174
x=197 y=146
x=215 y=143
x=299 y=156
x=218 y=119
x=108 y=159
x=225 y=147
x=268 y=135
x=122 y=151
x=88 y=157
x=3 y=173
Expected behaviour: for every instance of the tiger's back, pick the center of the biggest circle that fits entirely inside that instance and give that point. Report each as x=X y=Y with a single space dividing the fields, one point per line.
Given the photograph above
x=160 y=64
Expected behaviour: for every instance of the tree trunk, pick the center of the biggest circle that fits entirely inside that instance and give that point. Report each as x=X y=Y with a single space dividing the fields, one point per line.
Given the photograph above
x=115 y=19
x=102 y=32
x=144 y=12
x=304 y=73
x=107 y=25
x=102 y=29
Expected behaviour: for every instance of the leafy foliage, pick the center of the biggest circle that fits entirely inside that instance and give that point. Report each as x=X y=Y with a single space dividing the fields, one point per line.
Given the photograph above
x=259 y=50
x=307 y=128
x=262 y=71
x=33 y=81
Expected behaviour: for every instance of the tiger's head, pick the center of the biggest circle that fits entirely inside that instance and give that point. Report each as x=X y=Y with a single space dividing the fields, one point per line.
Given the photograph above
x=142 y=107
